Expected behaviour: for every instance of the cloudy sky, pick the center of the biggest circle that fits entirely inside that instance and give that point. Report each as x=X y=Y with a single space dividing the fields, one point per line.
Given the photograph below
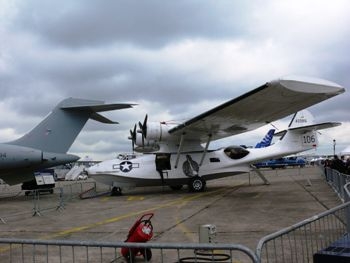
x=175 y=59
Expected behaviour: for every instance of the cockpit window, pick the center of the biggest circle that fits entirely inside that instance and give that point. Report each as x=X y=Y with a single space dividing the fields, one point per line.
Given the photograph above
x=126 y=156
x=236 y=152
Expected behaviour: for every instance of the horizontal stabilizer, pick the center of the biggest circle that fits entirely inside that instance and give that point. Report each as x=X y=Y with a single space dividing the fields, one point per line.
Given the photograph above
x=98 y=117
x=97 y=107
x=93 y=106
x=318 y=126
x=313 y=127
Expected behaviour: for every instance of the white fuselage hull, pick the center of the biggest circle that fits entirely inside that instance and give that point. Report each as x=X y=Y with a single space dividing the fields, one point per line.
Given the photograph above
x=142 y=170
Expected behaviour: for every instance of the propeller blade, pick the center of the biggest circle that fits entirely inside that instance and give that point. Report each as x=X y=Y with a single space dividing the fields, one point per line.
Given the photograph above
x=133 y=137
x=133 y=133
x=143 y=130
x=141 y=127
x=144 y=126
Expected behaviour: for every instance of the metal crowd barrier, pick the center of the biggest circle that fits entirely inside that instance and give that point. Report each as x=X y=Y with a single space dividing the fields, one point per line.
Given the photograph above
x=41 y=200
x=66 y=194
x=298 y=243
x=337 y=181
x=17 y=250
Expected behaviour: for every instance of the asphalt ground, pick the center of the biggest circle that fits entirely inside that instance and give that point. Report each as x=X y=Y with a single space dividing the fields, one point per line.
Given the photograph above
x=242 y=208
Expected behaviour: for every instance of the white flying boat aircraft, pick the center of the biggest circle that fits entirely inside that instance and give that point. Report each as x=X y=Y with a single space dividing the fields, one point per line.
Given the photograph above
x=177 y=155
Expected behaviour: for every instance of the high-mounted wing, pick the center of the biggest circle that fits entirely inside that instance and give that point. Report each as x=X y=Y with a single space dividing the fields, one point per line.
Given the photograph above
x=272 y=101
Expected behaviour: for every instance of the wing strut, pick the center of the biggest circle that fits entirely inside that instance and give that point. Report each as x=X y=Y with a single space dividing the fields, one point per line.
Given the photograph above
x=179 y=149
x=205 y=150
x=266 y=182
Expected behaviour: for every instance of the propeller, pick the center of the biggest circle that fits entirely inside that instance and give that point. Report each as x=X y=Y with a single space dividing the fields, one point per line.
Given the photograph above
x=143 y=130
x=132 y=137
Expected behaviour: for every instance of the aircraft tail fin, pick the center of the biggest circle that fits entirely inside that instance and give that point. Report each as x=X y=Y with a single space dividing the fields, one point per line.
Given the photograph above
x=302 y=132
x=57 y=132
x=301 y=118
x=266 y=141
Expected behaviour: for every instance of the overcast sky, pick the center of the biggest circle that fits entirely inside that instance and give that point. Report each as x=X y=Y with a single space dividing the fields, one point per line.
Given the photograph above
x=175 y=59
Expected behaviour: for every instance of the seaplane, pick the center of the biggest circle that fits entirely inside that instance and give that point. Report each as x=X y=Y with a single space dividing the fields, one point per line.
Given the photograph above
x=178 y=154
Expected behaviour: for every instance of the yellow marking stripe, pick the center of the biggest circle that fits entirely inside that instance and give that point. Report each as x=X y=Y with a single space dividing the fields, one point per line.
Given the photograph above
x=180 y=201
x=104 y=199
x=137 y=198
x=118 y=218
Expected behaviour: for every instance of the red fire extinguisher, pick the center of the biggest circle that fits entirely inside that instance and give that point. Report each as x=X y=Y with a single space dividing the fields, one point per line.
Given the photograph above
x=141 y=231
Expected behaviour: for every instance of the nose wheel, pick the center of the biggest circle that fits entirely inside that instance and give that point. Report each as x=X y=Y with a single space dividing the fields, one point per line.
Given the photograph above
x=197 y=184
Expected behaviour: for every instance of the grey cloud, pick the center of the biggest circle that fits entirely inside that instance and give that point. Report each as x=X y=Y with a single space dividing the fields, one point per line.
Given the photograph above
x=146 y=23
x=115 y=77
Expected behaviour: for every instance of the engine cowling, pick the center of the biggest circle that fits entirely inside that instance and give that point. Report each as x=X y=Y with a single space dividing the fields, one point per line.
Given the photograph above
x=156 y=132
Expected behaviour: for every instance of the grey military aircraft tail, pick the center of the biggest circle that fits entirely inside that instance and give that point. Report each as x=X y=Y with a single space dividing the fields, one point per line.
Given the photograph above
x=47 y=144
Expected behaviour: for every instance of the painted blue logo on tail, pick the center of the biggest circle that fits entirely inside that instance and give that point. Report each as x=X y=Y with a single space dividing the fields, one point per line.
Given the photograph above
x=266 y=141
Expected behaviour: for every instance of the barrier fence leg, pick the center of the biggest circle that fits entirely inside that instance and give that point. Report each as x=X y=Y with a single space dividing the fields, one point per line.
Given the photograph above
x=61 y=202
x=36 y=207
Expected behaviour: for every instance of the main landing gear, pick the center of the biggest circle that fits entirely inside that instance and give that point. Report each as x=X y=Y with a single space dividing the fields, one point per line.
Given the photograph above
x=196 y=184
x=116 y=191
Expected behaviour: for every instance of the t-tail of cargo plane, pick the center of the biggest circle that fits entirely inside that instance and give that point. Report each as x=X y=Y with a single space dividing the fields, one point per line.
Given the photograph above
x=46 y=145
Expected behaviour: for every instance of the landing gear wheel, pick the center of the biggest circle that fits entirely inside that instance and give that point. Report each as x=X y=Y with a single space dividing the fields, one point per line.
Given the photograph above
x=147 y=254
x=116 y=191
x=176 y=187
x=197 y=184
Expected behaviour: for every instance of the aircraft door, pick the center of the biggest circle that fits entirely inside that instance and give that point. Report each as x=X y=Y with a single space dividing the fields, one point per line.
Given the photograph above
x=163 y=163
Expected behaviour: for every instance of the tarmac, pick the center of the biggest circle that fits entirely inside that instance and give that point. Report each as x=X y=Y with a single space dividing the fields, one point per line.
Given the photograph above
x=242 y=208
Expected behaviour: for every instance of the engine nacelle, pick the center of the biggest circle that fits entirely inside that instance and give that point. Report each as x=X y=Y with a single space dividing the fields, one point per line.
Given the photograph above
x=156 y=132
x=146 y=145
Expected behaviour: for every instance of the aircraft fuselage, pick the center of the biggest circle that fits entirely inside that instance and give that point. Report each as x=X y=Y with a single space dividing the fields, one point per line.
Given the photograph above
x=18 y=162
x=163 y=168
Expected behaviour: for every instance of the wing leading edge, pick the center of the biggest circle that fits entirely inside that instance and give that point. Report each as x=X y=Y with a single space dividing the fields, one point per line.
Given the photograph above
x=267 y=103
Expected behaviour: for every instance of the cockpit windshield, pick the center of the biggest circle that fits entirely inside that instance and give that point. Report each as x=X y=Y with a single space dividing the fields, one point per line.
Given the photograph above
x=236 y=152
x=126 y=156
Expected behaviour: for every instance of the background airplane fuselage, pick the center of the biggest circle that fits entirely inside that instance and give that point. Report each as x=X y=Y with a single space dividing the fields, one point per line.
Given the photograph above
x=19 y=162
